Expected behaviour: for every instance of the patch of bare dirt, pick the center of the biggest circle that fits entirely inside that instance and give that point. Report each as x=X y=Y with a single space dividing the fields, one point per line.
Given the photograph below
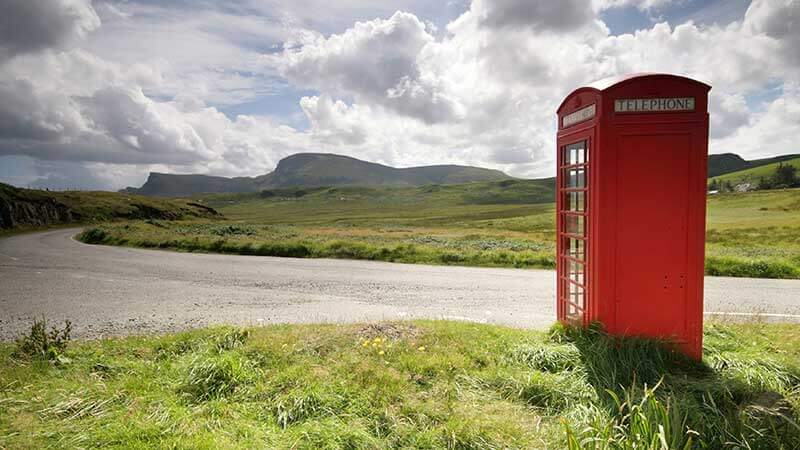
x=389 y=330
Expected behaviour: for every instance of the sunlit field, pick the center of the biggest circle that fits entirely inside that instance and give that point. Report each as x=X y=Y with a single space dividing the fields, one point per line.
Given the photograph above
x=486 y=224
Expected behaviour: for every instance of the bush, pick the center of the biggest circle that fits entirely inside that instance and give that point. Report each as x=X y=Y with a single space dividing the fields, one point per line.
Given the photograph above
x=729 y=267
x=40 y=343
x=93 y=236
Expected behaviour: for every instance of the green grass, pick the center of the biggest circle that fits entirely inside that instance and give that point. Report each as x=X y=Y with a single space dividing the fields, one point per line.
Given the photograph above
x=755 y=174
x=424 y=384
x=502 y=224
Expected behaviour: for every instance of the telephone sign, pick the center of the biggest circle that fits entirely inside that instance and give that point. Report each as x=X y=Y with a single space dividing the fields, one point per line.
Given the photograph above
x=654 y=104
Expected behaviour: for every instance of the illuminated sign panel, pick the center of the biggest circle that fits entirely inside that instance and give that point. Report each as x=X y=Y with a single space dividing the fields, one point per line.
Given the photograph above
x=579 y=116
x=625 y=105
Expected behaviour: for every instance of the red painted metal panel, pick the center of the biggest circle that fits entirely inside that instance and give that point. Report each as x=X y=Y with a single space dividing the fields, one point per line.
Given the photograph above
x=643 y=222
x=652 y=224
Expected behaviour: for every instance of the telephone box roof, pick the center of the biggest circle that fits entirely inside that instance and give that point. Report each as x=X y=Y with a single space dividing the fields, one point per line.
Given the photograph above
x=611 y=82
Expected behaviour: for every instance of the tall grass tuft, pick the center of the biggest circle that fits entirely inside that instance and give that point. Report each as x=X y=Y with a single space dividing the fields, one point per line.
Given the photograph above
x=212 y=376
x=640 y=420
x=40 y=343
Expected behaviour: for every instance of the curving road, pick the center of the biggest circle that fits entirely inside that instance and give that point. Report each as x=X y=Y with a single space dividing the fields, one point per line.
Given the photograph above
x=113 y=290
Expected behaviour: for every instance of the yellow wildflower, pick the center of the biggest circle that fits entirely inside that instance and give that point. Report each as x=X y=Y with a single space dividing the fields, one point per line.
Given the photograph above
x=381 y=352
x=421 y=348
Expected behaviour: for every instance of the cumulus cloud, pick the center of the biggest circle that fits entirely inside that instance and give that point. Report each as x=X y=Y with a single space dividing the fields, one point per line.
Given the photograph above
x=28 y=114
x=375 y=61
x=771 y=132
x=730 y=112
x=33 y=25
x=780 y=20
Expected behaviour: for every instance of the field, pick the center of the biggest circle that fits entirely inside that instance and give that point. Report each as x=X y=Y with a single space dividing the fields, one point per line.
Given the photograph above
x=405 y=385
x=501 y=224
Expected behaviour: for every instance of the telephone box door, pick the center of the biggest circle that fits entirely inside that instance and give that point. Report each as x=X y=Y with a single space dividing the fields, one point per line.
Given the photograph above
x=652 y=241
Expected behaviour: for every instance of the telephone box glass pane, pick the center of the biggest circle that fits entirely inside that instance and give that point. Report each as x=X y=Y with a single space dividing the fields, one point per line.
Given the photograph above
x=575 y=154
x=575 y=224
x=575 y=248
x=576 y=178
x=575 y=201
x=576 y=271
x=576 y=295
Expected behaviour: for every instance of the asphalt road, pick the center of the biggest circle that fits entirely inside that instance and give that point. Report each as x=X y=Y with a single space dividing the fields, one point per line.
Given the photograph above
x=115 y=291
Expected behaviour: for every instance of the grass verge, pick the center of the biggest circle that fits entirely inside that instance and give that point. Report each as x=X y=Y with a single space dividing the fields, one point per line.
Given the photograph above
x=752 y=234
x=425 y=384
x=275 y=241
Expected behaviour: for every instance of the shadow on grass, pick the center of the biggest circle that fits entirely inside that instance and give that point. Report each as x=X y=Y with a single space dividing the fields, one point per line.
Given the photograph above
x=652 y=396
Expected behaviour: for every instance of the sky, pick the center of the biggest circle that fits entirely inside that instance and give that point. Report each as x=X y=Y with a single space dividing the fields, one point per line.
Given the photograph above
x=97 y=94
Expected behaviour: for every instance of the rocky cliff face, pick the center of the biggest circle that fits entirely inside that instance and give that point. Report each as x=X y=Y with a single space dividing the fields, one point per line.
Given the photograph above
x=15 y=212
x=34 y=208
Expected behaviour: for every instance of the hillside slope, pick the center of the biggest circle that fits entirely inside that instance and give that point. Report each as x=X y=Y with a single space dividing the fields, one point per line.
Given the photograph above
x=753 y=175
x=21 y=208
x=313 y=170
x=726 y=163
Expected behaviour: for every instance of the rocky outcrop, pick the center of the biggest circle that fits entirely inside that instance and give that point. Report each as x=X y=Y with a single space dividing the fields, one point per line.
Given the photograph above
x=35 y=208
x=16 y=212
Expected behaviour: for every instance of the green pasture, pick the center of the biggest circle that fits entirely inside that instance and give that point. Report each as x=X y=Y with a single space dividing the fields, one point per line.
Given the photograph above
x=501 y=224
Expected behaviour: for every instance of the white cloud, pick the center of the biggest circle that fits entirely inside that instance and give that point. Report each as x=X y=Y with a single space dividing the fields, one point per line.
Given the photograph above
x=769 y=133
x=730 y=113
x=780 y=20
x=376 y=62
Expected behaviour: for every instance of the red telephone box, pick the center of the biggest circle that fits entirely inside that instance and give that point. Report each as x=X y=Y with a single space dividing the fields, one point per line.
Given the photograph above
x=632 y=156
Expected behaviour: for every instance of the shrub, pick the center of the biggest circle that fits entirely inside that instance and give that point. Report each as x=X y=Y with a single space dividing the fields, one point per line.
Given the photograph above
x=233 y=230
x=93 y=236
x=39 y=343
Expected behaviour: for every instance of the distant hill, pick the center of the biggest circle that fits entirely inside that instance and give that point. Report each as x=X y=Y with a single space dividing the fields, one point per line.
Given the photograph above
x=25 y=208
x=314 y=170
x=729 y=162
x=310 y=170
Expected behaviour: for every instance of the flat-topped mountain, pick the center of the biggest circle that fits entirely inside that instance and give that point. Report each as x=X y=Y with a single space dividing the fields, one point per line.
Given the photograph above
x=323 y=169
x=316 y=169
